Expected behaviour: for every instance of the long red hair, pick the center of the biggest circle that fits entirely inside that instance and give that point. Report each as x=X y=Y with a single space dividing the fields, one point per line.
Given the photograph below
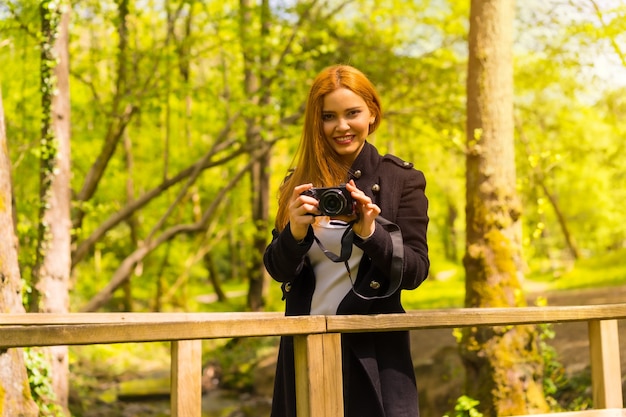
x=315 y=160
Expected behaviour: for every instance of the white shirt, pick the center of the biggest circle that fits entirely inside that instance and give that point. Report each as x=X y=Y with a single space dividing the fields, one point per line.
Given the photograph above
x=332 y=282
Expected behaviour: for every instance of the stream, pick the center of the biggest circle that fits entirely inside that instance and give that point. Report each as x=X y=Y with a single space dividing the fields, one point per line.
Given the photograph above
x=216 y=403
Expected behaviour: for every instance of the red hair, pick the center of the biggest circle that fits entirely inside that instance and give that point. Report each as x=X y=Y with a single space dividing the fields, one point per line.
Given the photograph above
x=316 y=161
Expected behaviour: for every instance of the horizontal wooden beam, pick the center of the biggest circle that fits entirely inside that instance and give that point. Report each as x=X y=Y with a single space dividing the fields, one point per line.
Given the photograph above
x=117 y=318
x=40 y=329
x=316 y=335
x=149 y=329
x=463 y=317
x=607 y=412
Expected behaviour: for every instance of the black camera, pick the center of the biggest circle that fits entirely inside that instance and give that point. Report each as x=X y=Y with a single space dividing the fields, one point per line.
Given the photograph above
x=333 y=201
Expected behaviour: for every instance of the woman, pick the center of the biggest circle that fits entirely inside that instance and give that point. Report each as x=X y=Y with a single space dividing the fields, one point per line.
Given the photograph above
x=382 y=234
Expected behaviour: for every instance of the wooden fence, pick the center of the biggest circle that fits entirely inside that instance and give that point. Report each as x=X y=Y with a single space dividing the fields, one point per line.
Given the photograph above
x=317 y=344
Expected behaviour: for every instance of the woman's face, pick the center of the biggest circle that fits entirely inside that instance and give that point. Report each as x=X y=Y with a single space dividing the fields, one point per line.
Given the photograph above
x=346 y=119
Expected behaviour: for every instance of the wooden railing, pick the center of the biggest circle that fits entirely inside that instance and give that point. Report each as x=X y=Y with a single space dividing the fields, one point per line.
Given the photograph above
x=317 y=344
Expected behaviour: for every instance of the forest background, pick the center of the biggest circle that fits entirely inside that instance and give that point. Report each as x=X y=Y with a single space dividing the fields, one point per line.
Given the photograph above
x=185 y=116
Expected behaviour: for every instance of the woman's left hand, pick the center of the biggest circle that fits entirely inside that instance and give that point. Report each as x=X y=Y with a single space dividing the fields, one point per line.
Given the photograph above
x=366 y=211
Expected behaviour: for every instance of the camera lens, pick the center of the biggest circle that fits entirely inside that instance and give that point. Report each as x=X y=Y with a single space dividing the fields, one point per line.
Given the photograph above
x=332 y=202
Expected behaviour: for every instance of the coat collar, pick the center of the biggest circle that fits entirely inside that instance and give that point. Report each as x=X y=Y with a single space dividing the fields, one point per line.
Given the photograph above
x=366 y=173
x=366 y=163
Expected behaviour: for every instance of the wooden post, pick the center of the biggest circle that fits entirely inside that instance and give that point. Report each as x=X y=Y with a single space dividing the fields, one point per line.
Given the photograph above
x=606 y=379
x=319 y=382
x=186 y=383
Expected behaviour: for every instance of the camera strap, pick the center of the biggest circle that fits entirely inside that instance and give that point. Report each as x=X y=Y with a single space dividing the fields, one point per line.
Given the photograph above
x=397 y=261
x=346 y=243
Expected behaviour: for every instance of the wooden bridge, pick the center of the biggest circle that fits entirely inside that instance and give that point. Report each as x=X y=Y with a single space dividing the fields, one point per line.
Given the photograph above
x=317 y=344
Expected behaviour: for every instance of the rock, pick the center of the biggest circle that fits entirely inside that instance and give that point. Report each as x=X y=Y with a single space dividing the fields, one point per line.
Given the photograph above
x=440 y=382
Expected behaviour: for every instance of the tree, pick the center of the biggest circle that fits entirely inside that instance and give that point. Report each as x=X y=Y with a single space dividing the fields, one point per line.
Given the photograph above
x=257 y=89
x=564 y=129
x=169 y=76
x=16 y=399
x=51 y=274
x=503 y=364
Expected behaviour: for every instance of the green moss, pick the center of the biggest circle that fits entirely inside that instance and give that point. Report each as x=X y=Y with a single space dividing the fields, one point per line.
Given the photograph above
x=503 y=363
x=2 y=399
x=28 y=396
x=505 y=370
x=492 y=256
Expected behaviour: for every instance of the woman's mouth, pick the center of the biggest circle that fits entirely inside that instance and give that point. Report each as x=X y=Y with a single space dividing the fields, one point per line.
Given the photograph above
x=344 y=139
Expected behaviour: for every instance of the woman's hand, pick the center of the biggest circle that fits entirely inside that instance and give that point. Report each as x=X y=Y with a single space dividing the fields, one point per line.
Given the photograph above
x=366 y=211
x=301 y=211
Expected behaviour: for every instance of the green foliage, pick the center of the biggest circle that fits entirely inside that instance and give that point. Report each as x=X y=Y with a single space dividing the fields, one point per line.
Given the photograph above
x=39 y=379
x=566 y=149
x=444 y=288
x=183 y=80
x=553 y=371
x=563 y=392
x=465 y=407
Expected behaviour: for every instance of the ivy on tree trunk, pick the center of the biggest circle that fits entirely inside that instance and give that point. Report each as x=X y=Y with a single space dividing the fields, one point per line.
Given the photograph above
x=51 y=272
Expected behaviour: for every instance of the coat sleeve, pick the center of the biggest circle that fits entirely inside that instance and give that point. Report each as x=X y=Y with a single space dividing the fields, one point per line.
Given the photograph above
x=284 y=257
x=411 y=216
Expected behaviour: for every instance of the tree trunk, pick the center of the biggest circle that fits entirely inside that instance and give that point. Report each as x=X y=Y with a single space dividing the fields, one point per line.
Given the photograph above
x=118 y=123
x=131 y=221
x=539 y=175
x=503 y=364
x=450 y=238
x=214 y=277
x=16 y=399
x=259 y=177
x=567 y=235
x=51 y=274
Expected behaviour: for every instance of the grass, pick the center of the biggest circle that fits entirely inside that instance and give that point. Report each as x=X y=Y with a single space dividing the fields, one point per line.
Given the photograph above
x=445 y=287
x=601 y=271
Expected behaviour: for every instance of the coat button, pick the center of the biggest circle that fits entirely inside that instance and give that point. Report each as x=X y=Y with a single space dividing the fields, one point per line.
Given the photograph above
x=357 y=173
x=287 y=286
x=374 y=285
x=376 y=188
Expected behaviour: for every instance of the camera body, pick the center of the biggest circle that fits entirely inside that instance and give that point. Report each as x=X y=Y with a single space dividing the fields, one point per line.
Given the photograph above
x=333 y=201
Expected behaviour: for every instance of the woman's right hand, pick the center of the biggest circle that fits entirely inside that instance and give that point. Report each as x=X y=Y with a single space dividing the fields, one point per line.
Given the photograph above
x=301 y=211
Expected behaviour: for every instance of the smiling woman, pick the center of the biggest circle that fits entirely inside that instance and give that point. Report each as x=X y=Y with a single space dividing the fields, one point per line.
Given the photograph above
x=383 y=239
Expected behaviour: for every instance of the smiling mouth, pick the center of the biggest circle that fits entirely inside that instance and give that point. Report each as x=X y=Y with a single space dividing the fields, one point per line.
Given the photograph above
x=344 y=139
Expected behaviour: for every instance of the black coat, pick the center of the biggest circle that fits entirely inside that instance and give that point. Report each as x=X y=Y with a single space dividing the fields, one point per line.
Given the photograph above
x=378 y=375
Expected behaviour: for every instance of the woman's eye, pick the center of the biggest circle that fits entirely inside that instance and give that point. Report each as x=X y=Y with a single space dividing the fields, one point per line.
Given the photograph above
x=327 y=117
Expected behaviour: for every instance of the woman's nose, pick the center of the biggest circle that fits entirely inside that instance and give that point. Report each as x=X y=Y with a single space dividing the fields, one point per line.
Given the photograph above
x=342 y=124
